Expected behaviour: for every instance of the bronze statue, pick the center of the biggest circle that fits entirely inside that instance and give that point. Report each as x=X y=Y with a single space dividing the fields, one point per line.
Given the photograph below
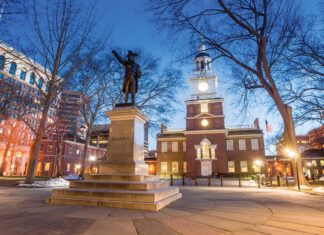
x=132 y=74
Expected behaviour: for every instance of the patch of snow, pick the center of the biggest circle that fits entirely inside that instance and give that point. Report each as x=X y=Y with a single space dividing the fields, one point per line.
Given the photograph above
x=319 y=189
x=72 y=177
x=302 y=187
x=34 y=185
x=57 y=182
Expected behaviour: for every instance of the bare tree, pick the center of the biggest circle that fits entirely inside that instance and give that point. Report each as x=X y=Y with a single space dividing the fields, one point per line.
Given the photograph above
x=62 y=41
x=252 y=36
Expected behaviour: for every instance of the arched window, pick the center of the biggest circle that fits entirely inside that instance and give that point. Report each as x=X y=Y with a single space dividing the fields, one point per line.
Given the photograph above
x=40 y=83
x=202 y=64
x=32 y=79
x=2 y=62
x=23 y=74
x=13 y=67
x=205 y=144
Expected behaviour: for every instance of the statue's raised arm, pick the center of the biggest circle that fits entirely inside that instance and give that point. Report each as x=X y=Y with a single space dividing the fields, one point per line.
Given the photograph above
x=132 y=74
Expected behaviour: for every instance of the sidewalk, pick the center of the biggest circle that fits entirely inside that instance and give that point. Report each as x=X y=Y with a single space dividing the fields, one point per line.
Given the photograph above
x=202 y=210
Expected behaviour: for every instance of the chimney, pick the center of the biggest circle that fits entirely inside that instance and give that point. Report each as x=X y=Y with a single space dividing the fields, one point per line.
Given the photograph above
x=163 y=128
x=256 y=123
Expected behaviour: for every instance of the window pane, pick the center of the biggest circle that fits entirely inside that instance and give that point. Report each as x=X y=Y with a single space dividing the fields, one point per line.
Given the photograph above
x=229 y=144
x=175 y=167
x=12 y=70
x=231 y=166
x=204 y=108
x=322 y=162
x=47 y=166
x=164 y=147
x=164 y=167
x=244 y=166
x=242 y=145
x=254 y=144
x=184 y=146
x=174 y=146
x=198 y=153
x=184 y=167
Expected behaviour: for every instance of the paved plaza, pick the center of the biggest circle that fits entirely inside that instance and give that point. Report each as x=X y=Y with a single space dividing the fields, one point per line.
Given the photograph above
x=202 y=210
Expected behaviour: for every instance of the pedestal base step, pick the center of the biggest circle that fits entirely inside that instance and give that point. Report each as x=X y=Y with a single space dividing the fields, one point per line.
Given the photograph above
x=116 y=195
x=139 y=178
x=148 y=206
x=119 y=185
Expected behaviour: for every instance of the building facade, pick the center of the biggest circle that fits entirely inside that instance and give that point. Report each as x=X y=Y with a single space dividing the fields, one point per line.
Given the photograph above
x=206 y=147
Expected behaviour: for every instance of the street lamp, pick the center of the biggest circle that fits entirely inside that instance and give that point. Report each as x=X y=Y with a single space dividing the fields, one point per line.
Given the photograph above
x=293 y=155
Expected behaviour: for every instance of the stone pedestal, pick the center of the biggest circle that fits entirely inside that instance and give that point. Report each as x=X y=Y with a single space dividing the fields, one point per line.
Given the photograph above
x=123 y=180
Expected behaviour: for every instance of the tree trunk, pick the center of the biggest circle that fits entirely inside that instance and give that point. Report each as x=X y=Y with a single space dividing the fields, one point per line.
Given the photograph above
x=58 y=172
x=32 y=161
x=291 y=143
x=4 y=160
x=85 y=154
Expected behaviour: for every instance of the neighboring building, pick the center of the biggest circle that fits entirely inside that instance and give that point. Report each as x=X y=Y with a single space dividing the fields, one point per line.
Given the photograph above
x=70 y=112
x=311 y=149
x=100 y=135
x=206 y=147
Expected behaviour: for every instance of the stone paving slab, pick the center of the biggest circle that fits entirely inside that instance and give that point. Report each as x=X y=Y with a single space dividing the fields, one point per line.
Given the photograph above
x=202 y=211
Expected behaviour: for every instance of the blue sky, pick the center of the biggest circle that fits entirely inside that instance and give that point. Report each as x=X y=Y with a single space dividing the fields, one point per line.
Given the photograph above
x=132 y=29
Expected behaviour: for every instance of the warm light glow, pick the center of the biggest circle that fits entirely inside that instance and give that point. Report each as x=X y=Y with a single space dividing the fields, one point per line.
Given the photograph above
x=163 y=167
x=309 y=163
x=12 y=166
x=203 y=86
x=78 y=166
x=279 y=168
x=204 y=122
x=258 y=162
x=92 y=158
x=292 y=154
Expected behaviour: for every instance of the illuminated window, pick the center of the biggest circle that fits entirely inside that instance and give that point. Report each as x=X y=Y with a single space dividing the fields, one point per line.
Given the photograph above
x=76 y=167
x=315 y=171
x=164 y=147
x=242 y=145
x=204 y=108
x=184 y=146
x=198 y=153
x=256 y=167
x=77 y=151
x=184 y=167
x=68 y=167
x=322 y=171
x=231 y=166
x=175 y=167
x=47 y=166
x=243 y=166
x=322 y=162
x=205 y=150
x=39 y=166
x=164 y=167
x=1 y=130
x=229 y=144
x=174 y=146
x=9 y=153
x=314 y=163
x=213 y=153
x=254 y=144
x=32 y=79
x=70 y=149
x=49 y=148
x=19 y=154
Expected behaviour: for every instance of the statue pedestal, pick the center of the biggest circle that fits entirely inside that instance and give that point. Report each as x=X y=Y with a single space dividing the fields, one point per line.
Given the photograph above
x=123 y=180
x=126 y=143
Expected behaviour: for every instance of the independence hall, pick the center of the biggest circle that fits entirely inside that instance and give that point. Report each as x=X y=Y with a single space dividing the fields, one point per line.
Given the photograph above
x=22 y=82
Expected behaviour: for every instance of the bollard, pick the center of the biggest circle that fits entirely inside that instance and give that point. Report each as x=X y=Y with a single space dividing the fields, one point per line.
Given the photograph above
x=278 y=180
x=259 y=183
x=209 y=180
x=196 y=183
x=240 y=185
x=271 y=181
x=171 y=179
x=183 y=179
x=222 y=180
x=287 y=183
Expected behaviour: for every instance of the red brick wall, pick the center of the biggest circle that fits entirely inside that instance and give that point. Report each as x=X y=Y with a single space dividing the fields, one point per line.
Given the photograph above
x=219 y=165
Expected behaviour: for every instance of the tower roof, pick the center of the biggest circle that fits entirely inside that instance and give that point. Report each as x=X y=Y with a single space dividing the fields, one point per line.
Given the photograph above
x=202 y=52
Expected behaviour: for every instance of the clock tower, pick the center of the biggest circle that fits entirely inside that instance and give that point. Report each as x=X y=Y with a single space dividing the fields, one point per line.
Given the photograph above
x=205 y=132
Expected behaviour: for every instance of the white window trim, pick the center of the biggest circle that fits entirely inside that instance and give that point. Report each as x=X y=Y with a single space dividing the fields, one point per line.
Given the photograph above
x=184 y=146
x=246 y=166
x=228 y=165
x=254 y=144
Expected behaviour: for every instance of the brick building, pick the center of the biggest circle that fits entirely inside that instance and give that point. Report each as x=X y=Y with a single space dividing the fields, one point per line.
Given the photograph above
x=206 y=147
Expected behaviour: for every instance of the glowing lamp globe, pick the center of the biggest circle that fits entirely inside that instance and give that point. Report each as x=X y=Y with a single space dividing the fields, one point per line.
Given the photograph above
x=204 y=122
x=203 y=86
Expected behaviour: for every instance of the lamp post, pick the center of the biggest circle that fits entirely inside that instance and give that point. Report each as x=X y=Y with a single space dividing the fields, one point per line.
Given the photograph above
x=292 y=154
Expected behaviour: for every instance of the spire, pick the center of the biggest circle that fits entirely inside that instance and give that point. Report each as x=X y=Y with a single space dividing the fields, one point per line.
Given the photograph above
x=202 y=47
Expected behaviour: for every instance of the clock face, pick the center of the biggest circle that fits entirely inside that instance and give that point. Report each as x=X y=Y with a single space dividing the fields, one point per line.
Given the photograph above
x=203 y=86
x=204 y=122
